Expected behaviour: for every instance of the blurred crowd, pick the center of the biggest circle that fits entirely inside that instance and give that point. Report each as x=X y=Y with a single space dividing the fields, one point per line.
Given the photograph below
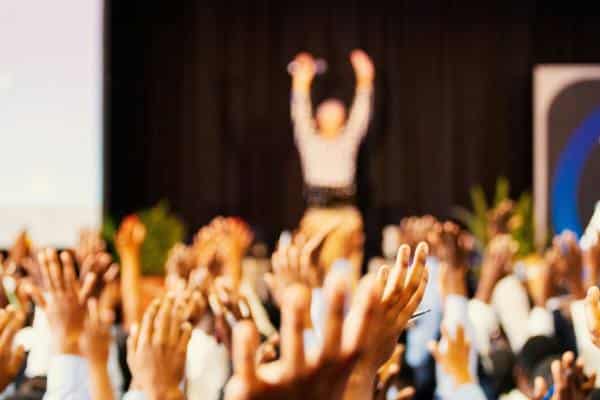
x=439 y=315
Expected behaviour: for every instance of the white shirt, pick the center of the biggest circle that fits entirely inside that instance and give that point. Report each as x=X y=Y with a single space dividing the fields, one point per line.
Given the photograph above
x=330 y=162
x=510 y=308
x=68 y=378
x=207 y=367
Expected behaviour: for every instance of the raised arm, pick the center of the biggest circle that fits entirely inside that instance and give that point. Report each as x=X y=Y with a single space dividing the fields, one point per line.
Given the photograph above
x=360 y=113
x=303 y=72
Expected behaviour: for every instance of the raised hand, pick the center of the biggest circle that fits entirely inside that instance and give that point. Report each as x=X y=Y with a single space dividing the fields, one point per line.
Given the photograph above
x=11 y=358
x=319 y=375
x=399 y=292
x=66 y=300
x=156 y=350
x=296 y=263
x=570 y=382
x=90 y=242
x=363 y=68
x=303 y=72
x=452 y=354
x=130 y=236
x=451 y=244
x=497 y=263
x=565 y=260
x=128 y=241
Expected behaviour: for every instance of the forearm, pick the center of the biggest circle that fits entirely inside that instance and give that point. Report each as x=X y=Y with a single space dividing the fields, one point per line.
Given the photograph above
x=130 y=288
x=100 y=385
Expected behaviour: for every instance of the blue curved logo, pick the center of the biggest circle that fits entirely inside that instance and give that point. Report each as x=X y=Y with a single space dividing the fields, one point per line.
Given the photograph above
x=569 y=169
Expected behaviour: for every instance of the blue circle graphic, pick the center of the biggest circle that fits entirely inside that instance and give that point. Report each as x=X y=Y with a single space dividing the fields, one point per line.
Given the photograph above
x=569 y=169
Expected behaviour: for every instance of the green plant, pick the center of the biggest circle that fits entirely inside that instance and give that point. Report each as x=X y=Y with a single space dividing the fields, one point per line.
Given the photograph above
x=515 y=218
x=163 y=231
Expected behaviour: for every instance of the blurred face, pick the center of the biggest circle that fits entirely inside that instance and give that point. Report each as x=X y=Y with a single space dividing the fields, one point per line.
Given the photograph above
x=331 y=115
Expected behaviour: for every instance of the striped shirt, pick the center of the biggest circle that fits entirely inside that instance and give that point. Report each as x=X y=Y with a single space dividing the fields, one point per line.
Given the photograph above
x=330 y=162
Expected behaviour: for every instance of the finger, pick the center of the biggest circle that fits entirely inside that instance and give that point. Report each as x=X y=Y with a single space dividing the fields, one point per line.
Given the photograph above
x=69 y=275
x=293 y=259
x=406 y=393
x=9 y=331
x=17 y=359
x=382 y=276
x=35 y=294
x=175 y=322
x=557 y=375
x=184 y=337
x=335 y=290
x=147 y=326
x=132 y=340
x=86 y=289
x=414 y=302
x=294 y=309
x=87 y=266
x=415 y=275
x=5 y=317
x=111 y=273
x=567 y=359
x=55 y=270
x=44 y=269
x=245 y=345
x=93 y=315
x=540 y=388
x=162 y=322
x=395 y=283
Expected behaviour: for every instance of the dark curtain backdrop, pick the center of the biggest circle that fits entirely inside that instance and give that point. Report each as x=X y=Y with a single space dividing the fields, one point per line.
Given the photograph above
x=198 y=101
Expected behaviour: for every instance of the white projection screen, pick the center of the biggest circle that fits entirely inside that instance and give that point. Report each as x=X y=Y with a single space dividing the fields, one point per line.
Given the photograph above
x=51 y=150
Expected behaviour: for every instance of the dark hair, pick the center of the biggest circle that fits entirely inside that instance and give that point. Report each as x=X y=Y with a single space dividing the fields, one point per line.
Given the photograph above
x=536 y=350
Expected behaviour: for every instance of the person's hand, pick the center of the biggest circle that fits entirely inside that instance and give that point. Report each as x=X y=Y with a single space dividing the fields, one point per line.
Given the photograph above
x=96 y=337
x=451 y=245
x=497 y=263
x=570 y=382
x=399 y=292
x=319 y=375
x=296 y=263
x=90 y=242
x=303 y=72
x=452 y=354
x=21 y=248
x=65 y=303
x=130 y=236
x=179 y=266
x=565 y=259
x=363 y=68
x=156 y=350
x=11 y=358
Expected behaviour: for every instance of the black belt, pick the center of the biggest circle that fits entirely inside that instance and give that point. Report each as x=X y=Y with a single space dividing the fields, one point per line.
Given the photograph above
x=322 y=196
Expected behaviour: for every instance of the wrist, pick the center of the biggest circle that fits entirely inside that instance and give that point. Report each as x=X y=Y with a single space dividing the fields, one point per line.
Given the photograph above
x=69 y=344
x=166 y=394
x=463 y=377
